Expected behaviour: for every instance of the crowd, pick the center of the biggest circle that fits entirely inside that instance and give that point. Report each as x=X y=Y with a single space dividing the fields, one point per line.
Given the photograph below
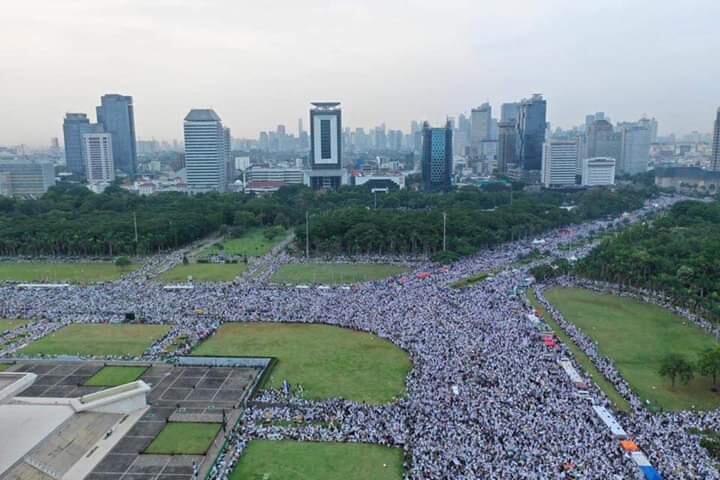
x=485 y=397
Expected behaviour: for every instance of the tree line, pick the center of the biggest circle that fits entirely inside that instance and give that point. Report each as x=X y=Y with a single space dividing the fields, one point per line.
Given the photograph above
x=71 y=220
x=676 y=253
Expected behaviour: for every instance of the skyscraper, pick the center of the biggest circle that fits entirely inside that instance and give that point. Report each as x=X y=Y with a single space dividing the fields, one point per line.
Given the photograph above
x=506 y=148
x=326 y=145
x=559 y=163
x=75 y=126
x=509 y=112
x=437 y=158
x=116 y=115
x=98 y=155
x=481 y=124
x=603 y=141
x=227 y=154
x=204 y=151
x=531 y=125
x=715 y=160
x=634 y=149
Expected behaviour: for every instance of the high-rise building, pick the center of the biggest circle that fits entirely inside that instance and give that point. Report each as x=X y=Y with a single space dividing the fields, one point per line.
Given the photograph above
x=634 y=149
x=603 y=141
x=481 y=124
x=506 y=148
x=715 y=160
x=227 y=150
x=205 y=164
x=509 y=112
x=116 y=114
x=559 y=163
x=98 y=155
x=437 y=158
x=25 y=178
x=598 y=171
x=652 y=125
x=326 y=146
x=75 y=126
x=531 y=126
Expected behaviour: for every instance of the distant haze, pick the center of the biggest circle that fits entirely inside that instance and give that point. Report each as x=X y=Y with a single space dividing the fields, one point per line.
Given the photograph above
x=260 y=63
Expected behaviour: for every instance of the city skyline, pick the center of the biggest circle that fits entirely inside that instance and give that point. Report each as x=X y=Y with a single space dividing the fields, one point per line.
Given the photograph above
x=268 y=63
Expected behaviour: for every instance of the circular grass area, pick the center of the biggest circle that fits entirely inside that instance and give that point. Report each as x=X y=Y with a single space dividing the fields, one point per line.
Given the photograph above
x=328 y=361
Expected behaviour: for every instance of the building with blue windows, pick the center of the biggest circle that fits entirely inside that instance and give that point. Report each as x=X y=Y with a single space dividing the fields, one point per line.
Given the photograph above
x=437 y=158
x=531 y=126
x=116 y=115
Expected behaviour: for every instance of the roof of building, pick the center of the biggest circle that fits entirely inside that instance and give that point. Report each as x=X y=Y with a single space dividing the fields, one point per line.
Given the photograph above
x=202 y=115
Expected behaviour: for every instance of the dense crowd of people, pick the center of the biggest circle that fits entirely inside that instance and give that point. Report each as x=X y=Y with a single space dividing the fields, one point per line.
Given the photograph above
x=485 y=397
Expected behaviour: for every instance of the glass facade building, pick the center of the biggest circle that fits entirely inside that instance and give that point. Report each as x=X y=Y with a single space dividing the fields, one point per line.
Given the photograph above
x=117 y=117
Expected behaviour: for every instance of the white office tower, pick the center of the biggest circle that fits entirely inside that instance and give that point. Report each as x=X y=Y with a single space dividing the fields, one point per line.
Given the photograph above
x=598 y=171
x=634 y=150
x=97 y=152
x=559 y=163
x=326 y=170
x=205 y=153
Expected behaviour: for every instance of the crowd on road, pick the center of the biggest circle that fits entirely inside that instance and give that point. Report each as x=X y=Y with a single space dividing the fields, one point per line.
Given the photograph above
x=485 y=397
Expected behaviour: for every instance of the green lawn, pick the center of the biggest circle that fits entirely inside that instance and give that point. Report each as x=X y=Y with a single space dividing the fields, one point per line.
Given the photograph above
x=97 y=339
x=608 y=389
x=7 y=325
x=290 y=460
x=184 y=438
x=252 y=244
x=334 y=273
x=112 y=376
x=204 y=272
x=328 y=361
x=4 y=366
x=637 y=336
x=61 y=272
x=470 y=280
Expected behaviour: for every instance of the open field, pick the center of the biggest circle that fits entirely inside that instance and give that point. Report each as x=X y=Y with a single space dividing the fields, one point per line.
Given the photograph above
x=608 y=389
x=252 y=244
x=112 y=376
x=4 y=366
x=289 y=460
x=334 y=273
x=470 y=280
x=328 y=361
x=61 y=272
x=636 y=336
x=97 y=339
x=184 y=438
x=203 y=272
x=7 y=325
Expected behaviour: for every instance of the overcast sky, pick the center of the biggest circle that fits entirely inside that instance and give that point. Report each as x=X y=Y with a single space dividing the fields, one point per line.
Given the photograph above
x=260 y=63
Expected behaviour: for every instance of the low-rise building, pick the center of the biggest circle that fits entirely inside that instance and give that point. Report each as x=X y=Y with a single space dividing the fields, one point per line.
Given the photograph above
x=598 y=171
x=25 y=177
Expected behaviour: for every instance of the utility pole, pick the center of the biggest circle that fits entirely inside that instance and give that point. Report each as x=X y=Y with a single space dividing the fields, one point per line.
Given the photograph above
x=444 y=231
x=307 y=234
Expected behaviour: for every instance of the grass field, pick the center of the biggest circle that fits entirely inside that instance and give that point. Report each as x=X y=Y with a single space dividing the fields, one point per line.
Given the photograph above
x=204 y=272
x=111 y=376
x=328 y=361
x=7 y=325
x=184 y=438
x=288 y=460
x=636 y=336
x=252 y=244
x=334 y=273
x=608 y=389
x=470 y=280
x=97 y=339
x=61 y=272
x=4 y=366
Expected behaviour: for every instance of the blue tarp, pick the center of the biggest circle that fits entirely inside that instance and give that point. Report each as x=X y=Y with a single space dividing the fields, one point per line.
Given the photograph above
x=650 y=473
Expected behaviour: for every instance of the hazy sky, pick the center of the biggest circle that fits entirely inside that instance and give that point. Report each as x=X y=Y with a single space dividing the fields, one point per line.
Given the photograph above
x=260 y=63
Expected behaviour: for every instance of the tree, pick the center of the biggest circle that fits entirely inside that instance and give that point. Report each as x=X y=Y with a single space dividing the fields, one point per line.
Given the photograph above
x=674 y=366
x=709 y=363
x=185 y=260
x=122 y=262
